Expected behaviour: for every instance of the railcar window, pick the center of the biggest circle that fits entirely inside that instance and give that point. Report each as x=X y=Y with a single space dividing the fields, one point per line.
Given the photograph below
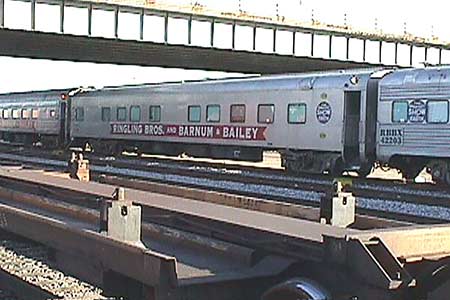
x=194 y=113
x=35 y=113
x=6 y=113
x=135 y=113
x=1 y=113
x=154 y=114
x=400 y=111
x=43 y=113
x=213 y=113
x=52 y=113
x=297 y=113
x=237 y=113
x=121 y=114
x=106 y=114
x=266 y=113
x=79 y=114
x=437 y=112
x=15 y=113
x=25 y=114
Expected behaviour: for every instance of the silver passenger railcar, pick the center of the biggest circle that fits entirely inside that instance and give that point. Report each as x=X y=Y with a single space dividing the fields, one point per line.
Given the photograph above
x=413 y=122
x=33 y=117
x=319 y=122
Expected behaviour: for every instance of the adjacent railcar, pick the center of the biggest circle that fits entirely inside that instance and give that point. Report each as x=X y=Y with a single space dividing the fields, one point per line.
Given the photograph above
x=33 y=117
x=413 y=122
x=319 y=122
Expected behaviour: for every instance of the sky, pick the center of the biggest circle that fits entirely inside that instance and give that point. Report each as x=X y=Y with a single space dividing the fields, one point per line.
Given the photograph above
x=419 y=18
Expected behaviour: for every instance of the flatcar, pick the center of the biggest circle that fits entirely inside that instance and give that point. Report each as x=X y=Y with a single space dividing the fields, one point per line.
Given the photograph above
x=320 y=122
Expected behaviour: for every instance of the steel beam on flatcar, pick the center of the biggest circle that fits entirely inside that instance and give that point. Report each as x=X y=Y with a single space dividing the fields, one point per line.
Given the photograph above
x=413 y=243
x=374 y=258
x=171 y=261
x=294 y=228
x=238 y=201
x=402 y=240
x=136 y=262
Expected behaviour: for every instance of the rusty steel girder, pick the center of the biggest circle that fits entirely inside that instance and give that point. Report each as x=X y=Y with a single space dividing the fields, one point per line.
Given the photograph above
x=146 y=266
x=392 y=262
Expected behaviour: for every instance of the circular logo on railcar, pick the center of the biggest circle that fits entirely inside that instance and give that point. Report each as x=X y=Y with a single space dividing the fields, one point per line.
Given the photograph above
x=323 y=112
x=417 y=111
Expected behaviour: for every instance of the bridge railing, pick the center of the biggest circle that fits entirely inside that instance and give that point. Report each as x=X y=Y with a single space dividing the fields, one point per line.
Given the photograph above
x=243 y=33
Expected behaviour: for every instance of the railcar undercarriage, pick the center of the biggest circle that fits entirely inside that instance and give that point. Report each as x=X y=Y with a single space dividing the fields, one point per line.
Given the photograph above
x=314 y=162
x=439 y=170
x=412 y=166
x=114 y=147
x=31 y=139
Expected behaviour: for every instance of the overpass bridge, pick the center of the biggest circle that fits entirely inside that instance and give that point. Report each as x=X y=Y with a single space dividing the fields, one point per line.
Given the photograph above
x=149 y=33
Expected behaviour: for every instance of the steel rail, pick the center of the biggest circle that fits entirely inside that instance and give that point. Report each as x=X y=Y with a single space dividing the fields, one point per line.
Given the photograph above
x=421 y=195
x=364 y=252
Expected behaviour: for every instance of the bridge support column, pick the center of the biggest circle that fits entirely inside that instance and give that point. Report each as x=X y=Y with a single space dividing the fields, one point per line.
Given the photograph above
x=396 y=53
x=294 y=33
x=380 y=51
x=274 y=40
x=347 y=48
x=364 y=50
x=233 y=36
x=62 y=6
x=166 y=28
x=254 y=37
x=213 y=23
x=90 y=20
x=141 y=24
x=330 y=46
x=33 y=15
x=116 y=22
x=411 y=50
x=190 y=30
x=2 y=13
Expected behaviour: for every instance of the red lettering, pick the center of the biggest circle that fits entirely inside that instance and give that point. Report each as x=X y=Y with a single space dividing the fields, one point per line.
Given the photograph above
x=225 y=132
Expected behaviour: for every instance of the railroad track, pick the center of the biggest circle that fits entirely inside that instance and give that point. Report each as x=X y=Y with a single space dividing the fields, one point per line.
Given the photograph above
x=26 y=272
x=177 y=227
x=422 y=203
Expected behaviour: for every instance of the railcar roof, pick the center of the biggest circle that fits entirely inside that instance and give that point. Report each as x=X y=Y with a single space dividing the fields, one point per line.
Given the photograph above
x=278 y=82
x=52 y=91
x=413 y=76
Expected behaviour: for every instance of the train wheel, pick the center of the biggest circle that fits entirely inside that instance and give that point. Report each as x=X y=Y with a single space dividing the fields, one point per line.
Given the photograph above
x=365 y=170
x=297 y=289
x=337 y=168
x=447 y=177
x=410 y=173
x=440 y=172
x=292 y=167
x=410 y=167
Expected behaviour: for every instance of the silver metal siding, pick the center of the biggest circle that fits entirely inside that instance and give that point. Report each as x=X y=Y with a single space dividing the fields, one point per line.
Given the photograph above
x=431 y=140
x=278 y=90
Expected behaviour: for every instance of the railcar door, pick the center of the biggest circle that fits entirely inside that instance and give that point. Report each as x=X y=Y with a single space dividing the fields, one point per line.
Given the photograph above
x=64 y=137
x=352 y=116
x=62 y=124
